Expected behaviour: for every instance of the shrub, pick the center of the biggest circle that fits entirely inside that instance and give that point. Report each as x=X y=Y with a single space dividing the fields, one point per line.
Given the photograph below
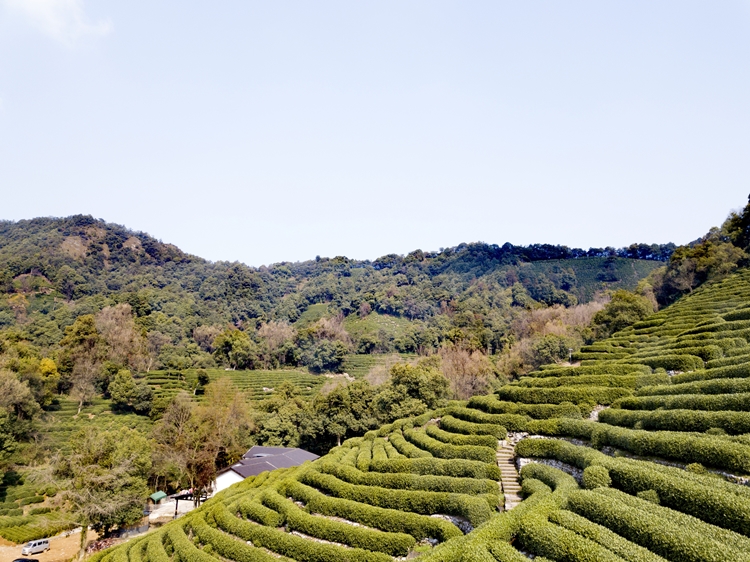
x=470 y=428
x=447 y=451
x=391 y=451
x=734 y=423
x=599 y=369
x=531 y=486
x=674 y=362
x=492 y=405
x=650 y=496
x=40 y=510
x=228 y=546
x=11 y=512
x=715 y=386
x=722 y=326
x=365 y=455
x=395 y=544
x=554 y=478
x=728 y=372
x=649 y=531
x=652 y=380
x=30 y=500
x=596 y=476
x=531 y=395
x=731 y=360
x=511 y=422
x=259 y=513
x=539 y=536
x=705 y=352
x=459 y=468
x=709 y=499
x=581 y=429
x=378 y=451
x=619 y=381
x=290 y=545
x=401 y=481
x=475 y=509
x=418 y=526
x=458 y=439
x=405 y=448
x=683 y=447
x=603 y=536
x=155 y=549
x=186 y=550
x=696 y=468
x=688 y=522
x=721 y=453
x=713 y=402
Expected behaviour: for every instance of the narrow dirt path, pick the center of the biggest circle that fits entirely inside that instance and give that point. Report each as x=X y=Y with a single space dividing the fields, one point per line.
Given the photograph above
x=510 y=480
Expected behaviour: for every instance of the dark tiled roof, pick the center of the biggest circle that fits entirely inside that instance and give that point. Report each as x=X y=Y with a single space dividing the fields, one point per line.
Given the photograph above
x=260 y=459
x=245 y=470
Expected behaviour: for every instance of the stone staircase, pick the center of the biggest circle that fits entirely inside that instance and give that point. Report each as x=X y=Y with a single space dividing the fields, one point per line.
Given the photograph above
x=510 y=481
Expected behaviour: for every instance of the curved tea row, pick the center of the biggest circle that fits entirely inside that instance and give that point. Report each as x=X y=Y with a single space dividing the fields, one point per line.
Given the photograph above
x=640 y=453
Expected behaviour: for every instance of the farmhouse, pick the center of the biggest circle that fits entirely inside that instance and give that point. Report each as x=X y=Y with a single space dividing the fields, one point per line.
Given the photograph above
x=260 y=459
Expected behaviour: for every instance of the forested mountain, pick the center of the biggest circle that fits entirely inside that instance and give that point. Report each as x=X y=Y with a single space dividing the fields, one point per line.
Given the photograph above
x=55 y=270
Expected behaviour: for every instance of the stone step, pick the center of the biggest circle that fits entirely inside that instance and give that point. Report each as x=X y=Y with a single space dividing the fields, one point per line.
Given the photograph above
x=509 y=480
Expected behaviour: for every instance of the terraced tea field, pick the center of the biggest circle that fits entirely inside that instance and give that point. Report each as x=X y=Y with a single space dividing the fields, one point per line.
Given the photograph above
x=640 y=453
x=61 y=422
x=25 y=510
x=358 y=366
x=259 y=385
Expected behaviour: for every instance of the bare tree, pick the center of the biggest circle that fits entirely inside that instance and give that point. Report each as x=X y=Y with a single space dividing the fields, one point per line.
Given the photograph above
x=204 y=336
x=468 y=372
x=126 y=345
x=364 y=309
x=332 y=329
x=85 y=372
x=276 y=334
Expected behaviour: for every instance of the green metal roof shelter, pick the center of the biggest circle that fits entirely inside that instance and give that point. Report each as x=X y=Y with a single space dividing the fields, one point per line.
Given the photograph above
x=156 y=497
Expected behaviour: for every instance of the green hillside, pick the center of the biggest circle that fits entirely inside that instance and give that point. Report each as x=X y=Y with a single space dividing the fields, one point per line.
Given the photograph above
x=641 y=452
x=54 y=270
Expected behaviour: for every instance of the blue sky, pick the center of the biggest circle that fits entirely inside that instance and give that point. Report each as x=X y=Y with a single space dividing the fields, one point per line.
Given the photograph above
x=270 y=131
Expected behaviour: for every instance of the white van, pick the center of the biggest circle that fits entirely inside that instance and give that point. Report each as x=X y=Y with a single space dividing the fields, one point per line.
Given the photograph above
x=35 y=547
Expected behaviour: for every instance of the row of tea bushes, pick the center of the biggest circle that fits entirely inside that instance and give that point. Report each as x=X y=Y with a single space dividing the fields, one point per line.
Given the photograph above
x=491 y=405
x=404 y=481
x=533 y=395
x=733 y=423
x=394 y=544
x=386 y=519
x=739 y=402
x=712 y=386
x=475 y=509
x=709 y=499
x=651 y=531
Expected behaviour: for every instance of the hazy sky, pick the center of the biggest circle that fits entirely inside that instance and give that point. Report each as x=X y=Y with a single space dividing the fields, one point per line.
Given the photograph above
x=270 y=131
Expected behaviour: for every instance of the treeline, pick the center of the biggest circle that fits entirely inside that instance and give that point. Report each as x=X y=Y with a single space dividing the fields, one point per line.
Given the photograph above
x=720 y=252
x=53 y=271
